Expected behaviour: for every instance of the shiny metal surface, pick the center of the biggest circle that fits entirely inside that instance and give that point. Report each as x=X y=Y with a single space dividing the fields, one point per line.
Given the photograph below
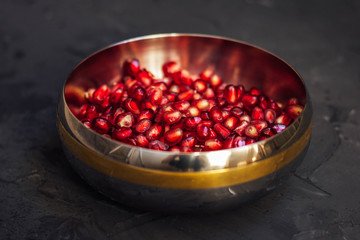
x=120 y=164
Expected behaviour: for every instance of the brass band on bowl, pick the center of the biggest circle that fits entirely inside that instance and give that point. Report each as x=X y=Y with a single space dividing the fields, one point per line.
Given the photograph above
x=184 y=180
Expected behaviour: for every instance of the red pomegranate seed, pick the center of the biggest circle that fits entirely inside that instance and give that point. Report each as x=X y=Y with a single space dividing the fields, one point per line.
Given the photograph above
x=231 y=94
x=275 y=106
x=172 y=117
x=269 y=115
x=239 y=141
x=205 y=115
x=146 y=114
x=192 y=112
x=189 y=134
x=155 y=95
x=86 y=123
x=142 y=126
x=221 y=130
x=154 y=132
x=186 y=95
x=283 y=119
x=216 y=115
x=202 y=104
x=188 y=142
x=148 y=104
x=141 y=141
x=250 y=141
x=139 y=94
x=225 y=114
x=144 y=77
x=212 y=133
x=170 y=68
x=122 y=133
x=240 y=91
x=200 y=85
x=207 y=73
x=117 y=86
x=249 y=101
x=212 y=103
x=259 y=124
x=220 y=101
x=209 y=93
x=251 y=131
x=229 y=142
x=125 y=120
x=269 y=132
x=174 y=88
x=245 y=117
x=100 y=94
x=132 y=106
x=91 y=112
x=292 y=101
x=191 y=123
x=294 y=111
x=186 y=149
x=203 y=131
x=181 y=105
x=158 y=145
x=231 y=122
x=131 y=67
x=254 y=91
x=278 y=128
x=208 y=123
x=173 y=136
x=240 y=129
x=263 y=102
x=257 y=113
x=236 y=111
x=213 y=144
x=215 y=81
x=175 y=149
x=101 y=125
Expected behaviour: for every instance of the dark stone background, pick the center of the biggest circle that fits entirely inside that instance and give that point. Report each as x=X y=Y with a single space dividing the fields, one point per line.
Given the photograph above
x=41 y=41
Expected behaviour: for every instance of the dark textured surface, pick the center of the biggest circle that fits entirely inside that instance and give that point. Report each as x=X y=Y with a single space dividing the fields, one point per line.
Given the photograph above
x=41 y=41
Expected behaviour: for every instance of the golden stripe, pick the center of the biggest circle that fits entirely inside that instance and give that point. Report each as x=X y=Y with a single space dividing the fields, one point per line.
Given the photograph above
x=183 y=180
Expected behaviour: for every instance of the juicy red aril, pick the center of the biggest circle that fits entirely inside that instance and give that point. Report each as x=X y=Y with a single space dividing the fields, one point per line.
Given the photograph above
x=221 y=130
x=131 y=67
x=125 y=120
x=213 y=144
x=142 y=126
x=121 y=133
x=171 y=117
x=184 y=111
x=174 y=136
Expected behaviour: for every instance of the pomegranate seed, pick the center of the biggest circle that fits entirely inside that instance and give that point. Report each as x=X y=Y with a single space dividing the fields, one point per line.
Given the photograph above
x=269 y=115
x=203 y=131
x=175 y=149
x=139 y=93
x=172 y=117
x=254 y=91
x=215 y=81
x=264 y=102
x=251 y=131
x=200 y=85
x=231 y=122
x=250 y=141
x=269 y=132
x=144 y=77
x=141 y=141
x=122 y=133
x=181 y=105
x=216 y=115
x=155 y=95
x=229 y=142
x=207 y=73
x=249 y=101
x=125 y=120
x=231 y=94
x=202 y=104
x=158 y=145
x=278 y=128
x=174 y=89
x=154 y=132
x=259 y=124
x=91 y=112
x=212 y=133
x=186 y=149
x=192 y=112
x=142 y=126
x=257 y=113
x=132 y=106
x=186 y=95
x=173 y=136
x=213 y=144
x=88 y=95
x=188 y=142
x=292 y=101
x=160 y=85
x=245 y=117
x=131 y=67
x=274 y=106
x=225 y=114
x=117 y=86
x=100 y=94
x=209 y=93
x=101 y=125
x=236 y=111
x=240 y=129
x=283 y=119
x=221 y=130
x=205 y=115
x=192 y=122
x=208 y=123
x=146 y=114
x=239 y=141
x=240 y=91
x=170 y=68
x=294 y=111
x=87 y=123
x=212 y=103
x=221 y=101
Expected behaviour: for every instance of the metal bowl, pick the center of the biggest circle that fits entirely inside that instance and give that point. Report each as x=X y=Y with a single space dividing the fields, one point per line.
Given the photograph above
x=199 y=181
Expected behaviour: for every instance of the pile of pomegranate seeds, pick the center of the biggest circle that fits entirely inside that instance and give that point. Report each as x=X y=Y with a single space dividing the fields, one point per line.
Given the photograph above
x=182 y=112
